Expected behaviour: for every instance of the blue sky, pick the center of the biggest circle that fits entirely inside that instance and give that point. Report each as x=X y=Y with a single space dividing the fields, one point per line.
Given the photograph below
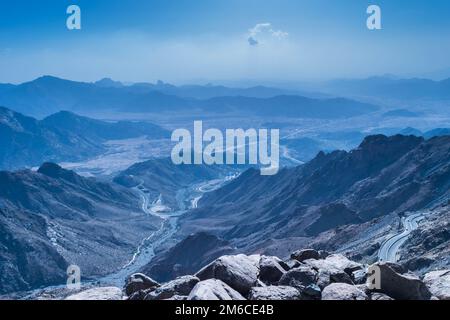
x=199 y=41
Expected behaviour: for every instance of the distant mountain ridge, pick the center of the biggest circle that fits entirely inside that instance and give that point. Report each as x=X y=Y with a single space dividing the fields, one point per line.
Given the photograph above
x=390 y=87
x=26 y=142
x=47 y=95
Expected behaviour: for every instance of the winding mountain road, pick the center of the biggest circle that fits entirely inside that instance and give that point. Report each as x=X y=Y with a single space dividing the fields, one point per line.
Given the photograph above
x=390 y=248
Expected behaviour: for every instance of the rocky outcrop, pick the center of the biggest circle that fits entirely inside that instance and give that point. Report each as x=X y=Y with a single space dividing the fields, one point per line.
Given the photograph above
x=334 y=277
x=399 y=286
x=239 y=272
x=214 y=289
x=343 y=291
x=138 y=282
x=274 y=293
x=302 y=255
x=271 y=269
x=438 y=282
x=103 y=293
x=181 y=286
x=299 y=277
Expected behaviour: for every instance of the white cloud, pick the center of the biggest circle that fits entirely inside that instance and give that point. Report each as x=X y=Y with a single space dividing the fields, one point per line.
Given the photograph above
x=262 y=30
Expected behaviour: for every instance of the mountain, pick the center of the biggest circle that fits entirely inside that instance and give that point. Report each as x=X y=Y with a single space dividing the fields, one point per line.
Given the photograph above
x=204 y=92
x=383 y=176
x=187 y=256
x=47 y=95
x=393 y=88
x=437 y=133
x=52 y=218
x=294 y=106
x=161 y=178
x=108 y=83
x=26 y=142
x=100 y=130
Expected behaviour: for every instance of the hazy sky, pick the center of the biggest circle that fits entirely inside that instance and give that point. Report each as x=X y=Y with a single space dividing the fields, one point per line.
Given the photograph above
x=198 y=40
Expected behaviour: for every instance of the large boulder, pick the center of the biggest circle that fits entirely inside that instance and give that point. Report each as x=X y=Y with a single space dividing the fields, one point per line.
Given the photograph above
x=214 y=289
x=138 y=282
x=181 y=286
x=343 y=291
x=335 y=268
x=274 y=293
x=102 y=293
x=299 y=278
x=312 y=292
x=271 y=269
x=305 y=254
x=438 y=282
x=400 y=286
x=240 y=271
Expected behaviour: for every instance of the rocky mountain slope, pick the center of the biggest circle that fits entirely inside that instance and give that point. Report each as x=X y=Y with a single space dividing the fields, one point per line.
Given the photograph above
x=428 y=248
x=384 y=177
x=161 y=178
x=26 y=142
x=52 y=218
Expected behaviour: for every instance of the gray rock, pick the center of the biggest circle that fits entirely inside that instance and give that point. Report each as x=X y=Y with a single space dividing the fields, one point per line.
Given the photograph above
x=103 y=293
x=299 y=278
x=292 y=263
x=271 y=269
x=178 y=298
x=305 y=254
x=359 y=276
x=139 y=295
x=323 y=254
x=137 y=282
x=335 y=262
x=438 y=282
x=274 y=293
x=380 y=296
x=240 y=271
x=181 y=286
x=312 y=292
x=214 y=289
x=334 y=269
x=343 y=291
x=400 y=286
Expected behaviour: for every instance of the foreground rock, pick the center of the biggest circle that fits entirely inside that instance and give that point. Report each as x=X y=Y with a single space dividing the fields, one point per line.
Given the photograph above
x=239 y=272
x=343 y=291
x=334 y=268
x=329 y=277
x=104 y=293
x=137 y=282
x=438 y=282
x=299 y=277
x=401 y=286
x=306 y=254
x=271 y=269
x=274 y=293
x=213 y=289
x=181 y=286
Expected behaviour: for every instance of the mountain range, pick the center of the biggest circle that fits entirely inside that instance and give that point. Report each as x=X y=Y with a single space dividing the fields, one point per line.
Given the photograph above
x=391 y=87
x=52 y=218
x=65 y=136
x=47 y=95
x=384 y=176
